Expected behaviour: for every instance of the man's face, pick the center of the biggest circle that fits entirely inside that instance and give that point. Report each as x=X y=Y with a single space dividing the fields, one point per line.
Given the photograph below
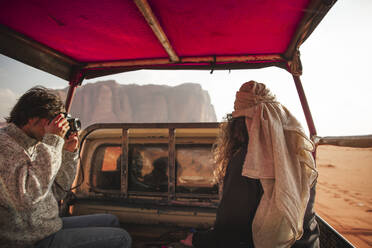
x=35 y=128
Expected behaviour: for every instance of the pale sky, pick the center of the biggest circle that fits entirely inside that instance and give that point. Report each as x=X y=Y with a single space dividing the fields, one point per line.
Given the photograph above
x=336 y=76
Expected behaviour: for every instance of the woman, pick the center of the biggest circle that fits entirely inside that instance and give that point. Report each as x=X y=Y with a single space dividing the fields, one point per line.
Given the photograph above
x=267 y=170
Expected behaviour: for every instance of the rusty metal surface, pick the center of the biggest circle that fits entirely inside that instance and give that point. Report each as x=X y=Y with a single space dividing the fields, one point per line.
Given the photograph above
x=124 y=162
x=305 y=106
x=358 y=141
x=172 y=165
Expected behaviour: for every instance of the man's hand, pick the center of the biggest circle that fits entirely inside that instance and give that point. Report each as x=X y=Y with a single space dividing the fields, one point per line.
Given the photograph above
x=58 y=126
x=188 y=240
x=71 y=144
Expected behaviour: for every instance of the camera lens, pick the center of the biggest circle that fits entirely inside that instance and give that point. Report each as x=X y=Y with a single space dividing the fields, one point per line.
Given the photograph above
x=74 y=123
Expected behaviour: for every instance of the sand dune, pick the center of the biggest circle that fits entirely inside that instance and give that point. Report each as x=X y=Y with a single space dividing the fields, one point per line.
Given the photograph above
x=344 y=191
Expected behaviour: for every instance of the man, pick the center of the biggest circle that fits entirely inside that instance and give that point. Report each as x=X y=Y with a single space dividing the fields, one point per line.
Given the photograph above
x=37 y=167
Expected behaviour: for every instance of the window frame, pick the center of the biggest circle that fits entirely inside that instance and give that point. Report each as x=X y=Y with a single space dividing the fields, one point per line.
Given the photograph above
x=170 y=197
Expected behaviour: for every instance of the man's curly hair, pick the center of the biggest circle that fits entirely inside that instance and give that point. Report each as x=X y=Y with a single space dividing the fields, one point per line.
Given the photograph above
x=36 y=102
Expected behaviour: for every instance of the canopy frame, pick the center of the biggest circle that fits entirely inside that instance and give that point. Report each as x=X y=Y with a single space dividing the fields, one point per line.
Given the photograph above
x=17 y=46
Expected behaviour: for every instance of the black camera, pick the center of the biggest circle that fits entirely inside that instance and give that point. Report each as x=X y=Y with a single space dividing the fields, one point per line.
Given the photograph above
x=74 y=123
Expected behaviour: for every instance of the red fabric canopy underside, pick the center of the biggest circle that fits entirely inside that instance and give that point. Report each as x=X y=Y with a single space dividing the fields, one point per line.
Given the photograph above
x=111 y=30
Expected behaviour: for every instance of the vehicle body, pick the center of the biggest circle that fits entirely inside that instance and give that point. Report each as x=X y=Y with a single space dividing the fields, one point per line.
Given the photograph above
x=163 y=213
x=75 y=40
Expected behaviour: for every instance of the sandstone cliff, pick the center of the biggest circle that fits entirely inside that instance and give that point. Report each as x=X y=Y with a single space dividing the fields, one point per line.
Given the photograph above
x=108 y=101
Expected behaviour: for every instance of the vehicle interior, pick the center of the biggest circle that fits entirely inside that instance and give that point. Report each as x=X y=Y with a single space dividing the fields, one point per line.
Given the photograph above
x=147 y=173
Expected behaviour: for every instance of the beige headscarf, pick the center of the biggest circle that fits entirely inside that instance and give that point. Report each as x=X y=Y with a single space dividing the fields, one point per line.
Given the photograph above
x=279 y=154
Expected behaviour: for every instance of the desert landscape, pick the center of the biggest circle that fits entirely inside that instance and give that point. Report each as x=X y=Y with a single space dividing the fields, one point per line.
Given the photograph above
x=344 y=191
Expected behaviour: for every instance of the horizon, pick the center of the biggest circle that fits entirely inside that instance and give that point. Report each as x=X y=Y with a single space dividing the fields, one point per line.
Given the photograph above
x=335 y=76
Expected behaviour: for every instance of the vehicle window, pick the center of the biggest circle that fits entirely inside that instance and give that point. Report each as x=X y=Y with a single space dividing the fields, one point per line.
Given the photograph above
x=148 y=167
x=194 y=165
x=105 y=169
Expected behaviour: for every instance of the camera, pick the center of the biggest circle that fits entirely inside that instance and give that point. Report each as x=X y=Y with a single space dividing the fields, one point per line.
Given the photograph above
x=74 y=123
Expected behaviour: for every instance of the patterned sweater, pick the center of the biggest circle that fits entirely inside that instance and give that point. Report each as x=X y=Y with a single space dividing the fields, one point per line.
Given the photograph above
x=28 y=195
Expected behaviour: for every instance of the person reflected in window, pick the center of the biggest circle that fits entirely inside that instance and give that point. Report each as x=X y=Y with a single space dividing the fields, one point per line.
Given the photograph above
x=158 y=177
x=267 y=170
x=135 y=165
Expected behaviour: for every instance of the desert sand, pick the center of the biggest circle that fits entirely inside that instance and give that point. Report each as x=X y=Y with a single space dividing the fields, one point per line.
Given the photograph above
x=344 y=191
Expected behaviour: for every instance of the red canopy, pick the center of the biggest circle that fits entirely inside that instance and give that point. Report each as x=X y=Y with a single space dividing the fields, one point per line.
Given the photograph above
x=77 y=39
x=96 y=37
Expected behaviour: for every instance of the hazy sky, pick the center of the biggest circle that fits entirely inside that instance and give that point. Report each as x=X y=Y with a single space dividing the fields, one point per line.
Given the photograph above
x=336 y=76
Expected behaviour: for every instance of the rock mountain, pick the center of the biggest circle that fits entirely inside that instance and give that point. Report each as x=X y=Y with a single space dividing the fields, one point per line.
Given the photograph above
x=108 y=101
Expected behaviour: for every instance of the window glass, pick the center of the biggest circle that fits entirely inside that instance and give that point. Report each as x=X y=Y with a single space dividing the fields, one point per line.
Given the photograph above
x=110 y=158
x=148 y=167
x=105 y=168
x=194 y=164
